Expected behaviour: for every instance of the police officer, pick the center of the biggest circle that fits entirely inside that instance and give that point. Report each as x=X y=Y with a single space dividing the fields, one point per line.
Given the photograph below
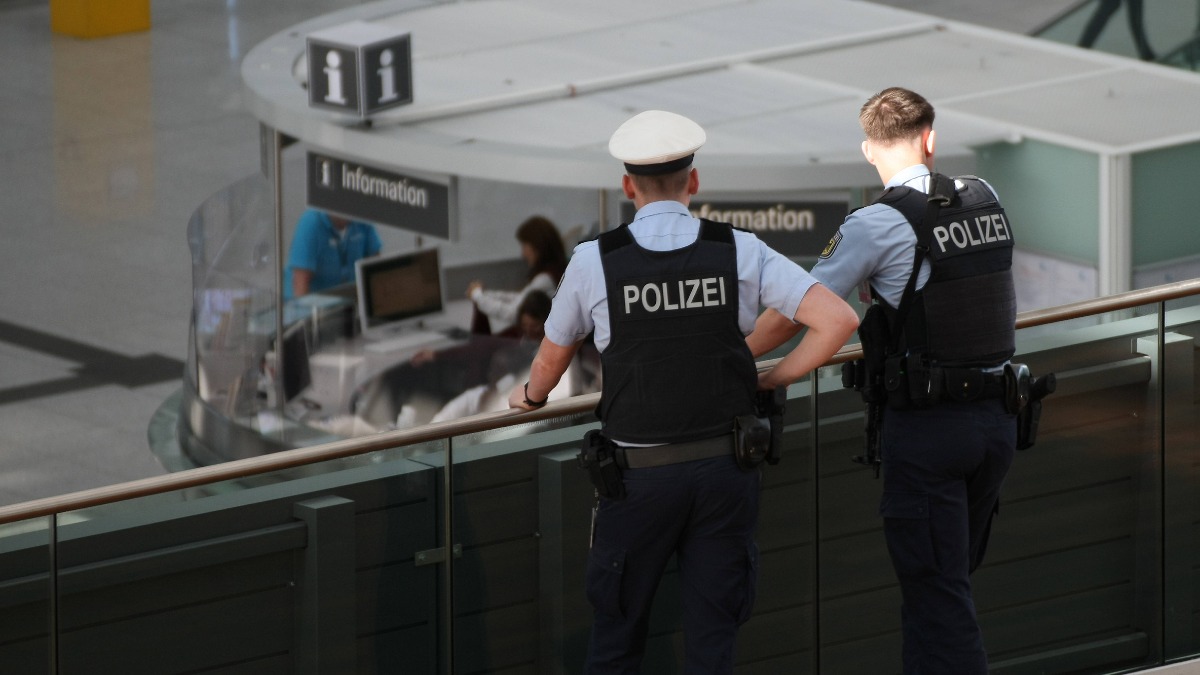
x=670 y=300
x=945 y=458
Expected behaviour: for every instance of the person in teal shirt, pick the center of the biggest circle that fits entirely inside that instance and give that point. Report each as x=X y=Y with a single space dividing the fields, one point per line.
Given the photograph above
x=324 y=250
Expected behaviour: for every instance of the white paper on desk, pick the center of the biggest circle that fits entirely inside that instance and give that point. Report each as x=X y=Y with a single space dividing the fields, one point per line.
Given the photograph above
x=335 y=360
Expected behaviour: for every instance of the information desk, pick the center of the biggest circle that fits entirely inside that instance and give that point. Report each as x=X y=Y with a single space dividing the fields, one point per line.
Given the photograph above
x=336 y=383
x=356 y=388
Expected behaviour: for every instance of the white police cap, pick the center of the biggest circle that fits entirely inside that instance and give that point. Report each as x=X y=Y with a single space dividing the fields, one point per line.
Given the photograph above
x=656 y=142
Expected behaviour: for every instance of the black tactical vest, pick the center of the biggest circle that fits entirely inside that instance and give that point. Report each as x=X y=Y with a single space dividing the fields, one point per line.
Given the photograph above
x=676 y=367
x=965 y=315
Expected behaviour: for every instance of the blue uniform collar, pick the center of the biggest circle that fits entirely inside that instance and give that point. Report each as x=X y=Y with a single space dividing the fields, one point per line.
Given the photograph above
x=659 y=208
x=904 y=176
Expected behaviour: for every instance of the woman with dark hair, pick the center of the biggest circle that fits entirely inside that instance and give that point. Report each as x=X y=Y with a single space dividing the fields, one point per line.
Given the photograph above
x=542 y=249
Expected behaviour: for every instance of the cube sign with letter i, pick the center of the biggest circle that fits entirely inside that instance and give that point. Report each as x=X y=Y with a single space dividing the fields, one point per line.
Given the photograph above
x=359 y=68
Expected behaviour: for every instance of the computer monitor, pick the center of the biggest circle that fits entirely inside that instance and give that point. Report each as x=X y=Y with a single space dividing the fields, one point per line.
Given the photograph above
x=398 y=288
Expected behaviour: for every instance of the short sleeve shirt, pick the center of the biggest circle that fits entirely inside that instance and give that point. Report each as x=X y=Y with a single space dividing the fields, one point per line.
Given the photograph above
x=874 y=244
x=317 y=246
x=765 y=277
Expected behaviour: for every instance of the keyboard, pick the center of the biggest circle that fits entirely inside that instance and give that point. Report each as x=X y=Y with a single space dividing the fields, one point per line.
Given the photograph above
x=411 y=339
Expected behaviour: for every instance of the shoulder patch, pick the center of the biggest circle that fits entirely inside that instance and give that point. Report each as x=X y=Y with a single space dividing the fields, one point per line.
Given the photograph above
x=832 y=245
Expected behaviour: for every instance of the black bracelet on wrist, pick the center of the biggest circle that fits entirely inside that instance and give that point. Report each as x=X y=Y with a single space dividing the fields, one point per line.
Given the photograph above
x=534 y=404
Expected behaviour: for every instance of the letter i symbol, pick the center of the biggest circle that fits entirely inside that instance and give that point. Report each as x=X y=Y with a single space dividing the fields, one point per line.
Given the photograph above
x=333 y=72
x=326 y=179
x=387 y=77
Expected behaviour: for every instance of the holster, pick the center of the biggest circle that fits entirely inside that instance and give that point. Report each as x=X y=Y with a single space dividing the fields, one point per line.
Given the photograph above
x=1030 y=415
x=598 y=458
x=1016 y=387
x=770 y=404
x=867 y=377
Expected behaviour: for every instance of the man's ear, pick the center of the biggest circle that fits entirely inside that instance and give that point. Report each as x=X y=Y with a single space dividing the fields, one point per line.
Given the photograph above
x=866 y=151
x=627 y=186
x=693 y=182
x=930 y=139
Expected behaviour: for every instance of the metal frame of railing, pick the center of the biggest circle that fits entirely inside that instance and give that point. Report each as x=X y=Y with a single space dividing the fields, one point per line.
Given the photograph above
x=485 y=422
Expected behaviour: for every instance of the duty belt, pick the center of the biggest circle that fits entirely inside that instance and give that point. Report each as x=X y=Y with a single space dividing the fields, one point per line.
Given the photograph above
x=674 y=453
x=970 y=384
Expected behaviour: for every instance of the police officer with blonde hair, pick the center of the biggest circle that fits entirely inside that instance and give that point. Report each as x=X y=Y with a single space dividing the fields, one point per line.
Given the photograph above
x=947 y=435
x=671 y=298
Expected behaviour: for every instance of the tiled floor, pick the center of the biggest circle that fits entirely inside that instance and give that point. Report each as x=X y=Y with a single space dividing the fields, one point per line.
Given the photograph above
x=108 y=145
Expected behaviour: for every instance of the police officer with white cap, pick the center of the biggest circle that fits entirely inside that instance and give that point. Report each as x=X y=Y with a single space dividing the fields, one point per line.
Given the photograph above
x=670 y=299
x=947 y=435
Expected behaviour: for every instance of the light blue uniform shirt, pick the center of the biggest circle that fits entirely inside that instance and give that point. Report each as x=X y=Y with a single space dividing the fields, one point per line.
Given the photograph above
x=765 y=278
x=875 y=244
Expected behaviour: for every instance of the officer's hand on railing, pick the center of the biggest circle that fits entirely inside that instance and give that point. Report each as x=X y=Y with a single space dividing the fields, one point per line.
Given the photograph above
x=519 y=398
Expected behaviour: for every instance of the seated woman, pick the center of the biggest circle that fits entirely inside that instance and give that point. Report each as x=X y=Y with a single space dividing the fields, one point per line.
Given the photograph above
x=543 y=251
x=473 y=356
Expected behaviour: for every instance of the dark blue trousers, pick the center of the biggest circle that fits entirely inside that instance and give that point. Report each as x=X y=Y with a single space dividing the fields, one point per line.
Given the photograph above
x=704 y=512
x=942 y=471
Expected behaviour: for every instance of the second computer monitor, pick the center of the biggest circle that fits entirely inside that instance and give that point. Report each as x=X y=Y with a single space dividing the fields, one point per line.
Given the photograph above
x=398 y=288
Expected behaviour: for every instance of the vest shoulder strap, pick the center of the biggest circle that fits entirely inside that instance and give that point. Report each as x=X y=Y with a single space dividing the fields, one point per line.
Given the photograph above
x=615 y=239
x=711 y=230
x=910 y=202
x=921 y=212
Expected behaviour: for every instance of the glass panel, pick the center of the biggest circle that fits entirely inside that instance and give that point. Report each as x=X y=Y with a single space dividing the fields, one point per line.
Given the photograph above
x=780 y=633
x=521 y=516
x=25 y=597
x=322 y=565
x=1073 y=575
x=1181 y=499
x=858 y=598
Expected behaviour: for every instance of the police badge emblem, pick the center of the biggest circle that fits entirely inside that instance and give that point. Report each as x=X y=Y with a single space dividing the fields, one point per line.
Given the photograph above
x=832 y=245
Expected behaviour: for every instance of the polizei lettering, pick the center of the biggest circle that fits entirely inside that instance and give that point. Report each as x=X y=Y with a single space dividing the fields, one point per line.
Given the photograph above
x=973 y=233
x=677 y=295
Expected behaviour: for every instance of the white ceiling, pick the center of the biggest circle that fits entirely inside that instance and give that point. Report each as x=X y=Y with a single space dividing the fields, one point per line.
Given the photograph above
x=530 y=90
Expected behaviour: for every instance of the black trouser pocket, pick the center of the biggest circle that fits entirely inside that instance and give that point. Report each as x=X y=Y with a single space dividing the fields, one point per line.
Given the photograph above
x=606 y=568
x=908 y=533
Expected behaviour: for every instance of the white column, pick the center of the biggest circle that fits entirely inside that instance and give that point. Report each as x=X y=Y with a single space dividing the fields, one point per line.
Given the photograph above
x=1115 y=266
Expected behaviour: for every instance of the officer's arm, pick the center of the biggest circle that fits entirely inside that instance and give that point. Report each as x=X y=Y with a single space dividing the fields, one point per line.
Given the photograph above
x=770 y=330
x=548 y=367
x=830 y=323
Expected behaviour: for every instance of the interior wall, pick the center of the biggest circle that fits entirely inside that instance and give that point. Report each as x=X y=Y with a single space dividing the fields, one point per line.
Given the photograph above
x=1051 y=195
x=1164 y=211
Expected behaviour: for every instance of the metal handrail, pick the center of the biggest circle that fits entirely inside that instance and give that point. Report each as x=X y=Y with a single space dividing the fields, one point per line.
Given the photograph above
x=290 y=459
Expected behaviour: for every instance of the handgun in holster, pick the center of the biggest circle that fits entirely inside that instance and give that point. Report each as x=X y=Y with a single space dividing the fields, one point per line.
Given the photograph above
x=599 y=458
x=1023 y=396
x=866 y=376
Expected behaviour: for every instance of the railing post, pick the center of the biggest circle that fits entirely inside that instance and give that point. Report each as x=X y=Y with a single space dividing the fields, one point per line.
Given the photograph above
x=53 y=599
x=325 y=613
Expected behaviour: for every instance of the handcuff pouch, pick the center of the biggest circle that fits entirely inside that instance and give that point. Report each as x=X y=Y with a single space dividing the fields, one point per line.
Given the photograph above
x=751 y=440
